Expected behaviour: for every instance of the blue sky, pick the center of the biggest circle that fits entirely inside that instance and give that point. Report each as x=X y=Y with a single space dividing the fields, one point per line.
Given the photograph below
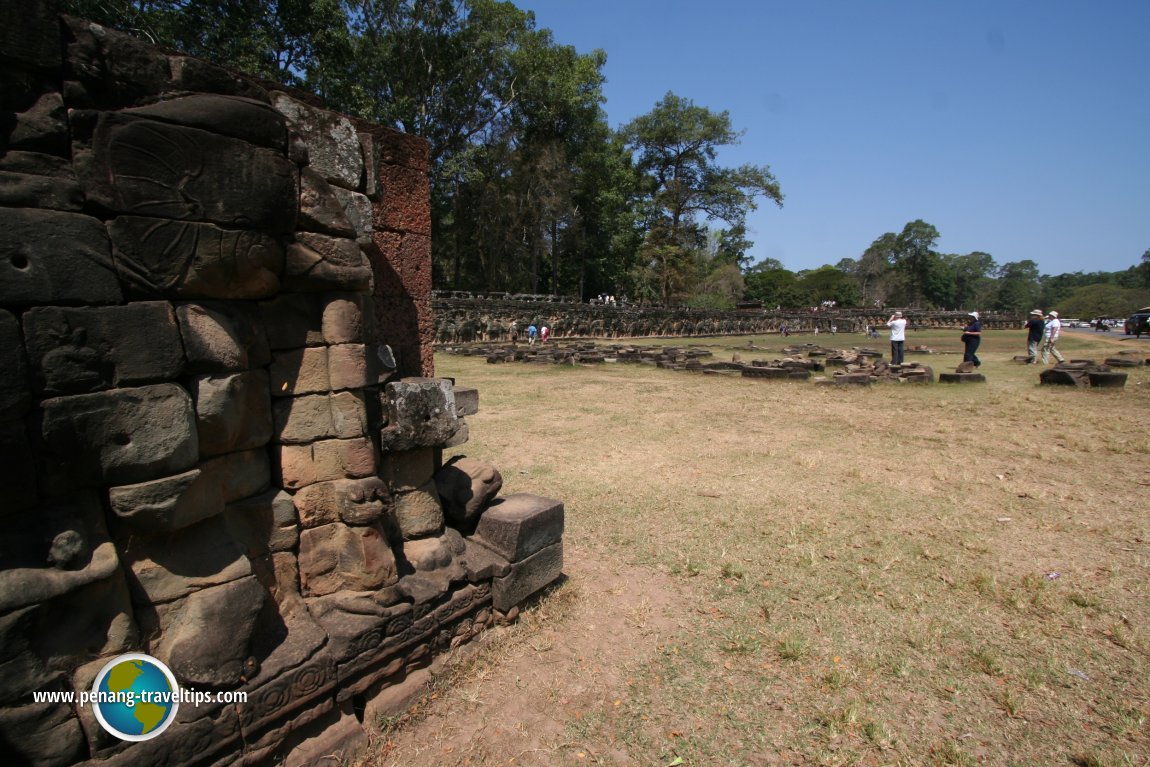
x=1021 y=129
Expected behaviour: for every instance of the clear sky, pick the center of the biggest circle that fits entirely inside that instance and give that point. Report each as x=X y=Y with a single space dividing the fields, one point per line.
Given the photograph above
x=1021 y=129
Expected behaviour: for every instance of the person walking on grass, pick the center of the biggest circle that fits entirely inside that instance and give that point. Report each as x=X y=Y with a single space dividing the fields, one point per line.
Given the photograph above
x=971 y=338
x=531 y=333
x=1034 y=330
x=1050 y=337
x=897 y=325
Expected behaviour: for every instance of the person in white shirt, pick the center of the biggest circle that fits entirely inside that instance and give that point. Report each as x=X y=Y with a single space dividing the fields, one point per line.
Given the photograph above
x=897 y=325
x=1050 y=335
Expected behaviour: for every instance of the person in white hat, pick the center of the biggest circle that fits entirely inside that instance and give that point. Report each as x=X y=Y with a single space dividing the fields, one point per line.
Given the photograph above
x=1034 y=329
x=1050 y=337
x=897 y=325
x=971 y=338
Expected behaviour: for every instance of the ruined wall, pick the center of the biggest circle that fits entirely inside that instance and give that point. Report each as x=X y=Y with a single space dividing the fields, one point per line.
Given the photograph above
x=460 y=318
x=217 y=449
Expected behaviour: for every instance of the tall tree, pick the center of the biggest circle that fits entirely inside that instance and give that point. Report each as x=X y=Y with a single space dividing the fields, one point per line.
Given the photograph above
x=676 y=147
x=1018 y=287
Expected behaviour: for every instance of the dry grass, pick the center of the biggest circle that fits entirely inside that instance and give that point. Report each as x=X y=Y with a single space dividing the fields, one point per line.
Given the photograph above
x=942 y=575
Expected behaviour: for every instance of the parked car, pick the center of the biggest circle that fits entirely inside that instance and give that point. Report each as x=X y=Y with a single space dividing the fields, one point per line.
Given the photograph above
x=1139 y=322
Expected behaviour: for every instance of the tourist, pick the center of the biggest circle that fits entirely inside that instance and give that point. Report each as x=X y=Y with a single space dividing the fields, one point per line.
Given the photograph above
x=544 y=332
x=1034 y=330
x=971 y=338
x=834 y=330
x=532 y=331
x=897 y=325
x=1050 y=336
x=514 y=331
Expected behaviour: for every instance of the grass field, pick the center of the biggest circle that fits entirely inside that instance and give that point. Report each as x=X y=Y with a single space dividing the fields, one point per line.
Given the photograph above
x=903 y=575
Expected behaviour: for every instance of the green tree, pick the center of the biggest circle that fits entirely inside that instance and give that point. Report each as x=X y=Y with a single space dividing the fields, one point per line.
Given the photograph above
x=828 y=283
x=916 y=263
x=1103 y=300
x=1018 y=287
x=974 y=284
x=874 y=269
x=683 y=186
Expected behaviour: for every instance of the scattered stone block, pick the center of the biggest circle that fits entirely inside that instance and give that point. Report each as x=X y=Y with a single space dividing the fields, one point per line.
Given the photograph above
x=54 y=258
x=1100 y=379
x=168 y=504
x=466 y=400
x=961 y=378
x=519 y=525
x=121 y=436
x=527 y=577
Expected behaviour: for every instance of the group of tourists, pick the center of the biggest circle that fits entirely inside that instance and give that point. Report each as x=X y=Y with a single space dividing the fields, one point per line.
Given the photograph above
x=533 y=333
x=1041 y=329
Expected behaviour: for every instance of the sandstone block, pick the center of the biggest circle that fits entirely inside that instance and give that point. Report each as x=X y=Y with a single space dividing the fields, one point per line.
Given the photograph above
x=14 y=390
x=417 y=513
x=358 y=210
x=121 y=436
x=263 y=523
x=292 y=320
x=345 y=318
x=247 y=119
x=350 y=367
x=17 y=470
x=348 y=414
x=962 y=378
x=333 y=144
x=302 y=465
x=520 y=525
x=320 y=209
x=36 y=180
x=404 y=207
x=421 y=413
x=40 y=126
x=466 y=486
x=49 y=257
x=239 y=475
x=317 y=262
x=371 y=160
x=200 y=76
x=208 y=642
x=233 y=412
x=168 y=504
x=75 y=350
x=338 y=557
x=466 y=400
x=462 y=435
x=352 y=501
x=40 y=734
x=183 y=259
x=408 y=469
x=221 y=337
x=300 y=371
x=169 y=566
x=305 y=419
x=136 y=164
x=527 y=577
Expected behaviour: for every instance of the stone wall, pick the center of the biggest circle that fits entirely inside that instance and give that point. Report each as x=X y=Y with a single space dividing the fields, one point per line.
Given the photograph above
x=460 y=318
x=219 y=444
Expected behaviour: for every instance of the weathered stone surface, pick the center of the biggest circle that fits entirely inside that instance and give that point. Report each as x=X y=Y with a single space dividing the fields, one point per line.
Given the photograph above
x=142 y=166
x=317 y=262
x=239 y=475
x=113 y=66
x=466 y=400
x=961 y=378
x=41 y=734
x=520 y=525
x=200 y=76
x=14 y=390
x=42 y=127
x=527 y=577
x=17 y=470
x=332 y=141
x=349 y=367
x=121 y=436
x=169 y=566
x=183 y=259
x=339 y=557
x=466 y=486
x=320 y=416
x=87 y=349
x=321 y=210
x=1106 y=379
x=417 y=513
x=300 y=371
x=221 y=337
x=263 y=523
x=409 y=469
x=302 y=465
x=49 y=257
x=352 y=501
x=37 y=180
x=208 y=643
x=247 y=119
x=345 y=318
x=481 y=563
x=462 y=435
x=357 y=208
x=421 y=413
x=405 y=203
x=233 y=412
x=292 y=320
x=168 y=504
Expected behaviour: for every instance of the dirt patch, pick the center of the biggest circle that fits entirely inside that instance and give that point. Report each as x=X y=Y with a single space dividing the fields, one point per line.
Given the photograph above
x=518 y=694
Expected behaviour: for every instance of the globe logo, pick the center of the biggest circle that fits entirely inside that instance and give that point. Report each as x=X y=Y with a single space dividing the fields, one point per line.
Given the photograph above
x=136 y=697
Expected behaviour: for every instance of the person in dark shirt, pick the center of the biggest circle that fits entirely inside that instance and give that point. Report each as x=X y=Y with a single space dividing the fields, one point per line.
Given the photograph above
x=1034 y=327
x=971 y=338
